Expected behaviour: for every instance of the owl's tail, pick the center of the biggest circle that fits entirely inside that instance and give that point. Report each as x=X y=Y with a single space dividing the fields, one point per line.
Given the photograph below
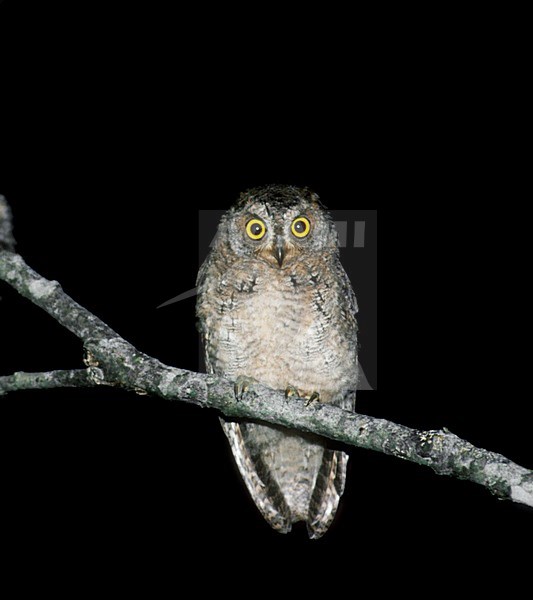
x=290 y=478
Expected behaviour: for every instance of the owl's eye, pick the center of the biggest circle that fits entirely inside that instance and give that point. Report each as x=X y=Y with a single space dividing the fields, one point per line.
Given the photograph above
x=256 y=229
x=301 y=227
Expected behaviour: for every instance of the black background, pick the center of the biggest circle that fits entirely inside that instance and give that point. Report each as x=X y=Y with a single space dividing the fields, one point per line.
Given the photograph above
x=114 y=134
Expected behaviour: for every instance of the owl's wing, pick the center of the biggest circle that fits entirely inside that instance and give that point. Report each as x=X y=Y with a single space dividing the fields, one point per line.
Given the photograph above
x=327 y=493
x=257 y=476
x=348 y=305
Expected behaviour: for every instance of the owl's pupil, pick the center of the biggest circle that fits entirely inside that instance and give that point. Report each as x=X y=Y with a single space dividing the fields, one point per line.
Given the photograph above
x=257 y=229
x=300 y=227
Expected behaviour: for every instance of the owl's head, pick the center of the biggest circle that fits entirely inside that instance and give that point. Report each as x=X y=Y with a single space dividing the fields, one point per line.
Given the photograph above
x=279 y=225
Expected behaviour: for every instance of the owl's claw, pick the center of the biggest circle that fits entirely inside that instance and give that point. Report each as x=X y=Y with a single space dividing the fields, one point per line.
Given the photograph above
x=313 y=398
x=243 y=385
x=291 y=392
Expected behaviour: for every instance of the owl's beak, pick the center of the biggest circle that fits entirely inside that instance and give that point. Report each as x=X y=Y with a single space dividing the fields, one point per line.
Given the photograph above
x=280 y=252
x=276 y=253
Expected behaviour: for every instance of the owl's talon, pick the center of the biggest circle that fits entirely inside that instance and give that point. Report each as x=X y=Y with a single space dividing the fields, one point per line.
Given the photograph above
x=242 y=386
x=291 y=392
x=313 y=399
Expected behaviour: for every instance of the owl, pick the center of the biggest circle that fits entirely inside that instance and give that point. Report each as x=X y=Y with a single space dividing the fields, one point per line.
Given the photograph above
x=275 y=306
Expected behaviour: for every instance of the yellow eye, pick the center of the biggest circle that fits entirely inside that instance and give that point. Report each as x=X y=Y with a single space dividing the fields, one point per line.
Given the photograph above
x=301 y=227
x=256 y=229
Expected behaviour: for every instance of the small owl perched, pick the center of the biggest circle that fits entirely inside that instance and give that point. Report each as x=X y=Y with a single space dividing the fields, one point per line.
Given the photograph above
x=276 y=306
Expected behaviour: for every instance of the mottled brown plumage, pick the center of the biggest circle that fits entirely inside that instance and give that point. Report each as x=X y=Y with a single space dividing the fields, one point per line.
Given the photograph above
x=275 y=305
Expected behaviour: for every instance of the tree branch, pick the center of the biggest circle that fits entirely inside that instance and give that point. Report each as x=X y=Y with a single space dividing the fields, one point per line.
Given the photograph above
x=76 y=378
x=111 y=360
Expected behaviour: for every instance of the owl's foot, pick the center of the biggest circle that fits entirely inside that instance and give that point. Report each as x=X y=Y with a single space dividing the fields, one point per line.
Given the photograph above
x=243 y=385
x=291 y=392
x=313 y=398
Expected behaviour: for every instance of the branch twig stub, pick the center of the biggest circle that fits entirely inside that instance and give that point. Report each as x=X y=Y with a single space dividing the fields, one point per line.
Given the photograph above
x=7 y=241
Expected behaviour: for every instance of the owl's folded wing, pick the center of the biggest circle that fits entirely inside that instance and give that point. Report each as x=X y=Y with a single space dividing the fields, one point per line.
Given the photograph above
x=264 y=490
